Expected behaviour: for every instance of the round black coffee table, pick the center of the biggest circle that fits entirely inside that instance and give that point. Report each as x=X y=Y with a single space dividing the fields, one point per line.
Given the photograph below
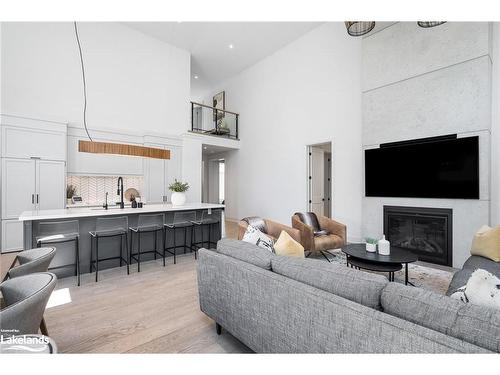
x=358 y=257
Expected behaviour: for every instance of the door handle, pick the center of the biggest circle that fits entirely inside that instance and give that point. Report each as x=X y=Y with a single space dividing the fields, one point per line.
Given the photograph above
x=32 y=198
x=37 y=199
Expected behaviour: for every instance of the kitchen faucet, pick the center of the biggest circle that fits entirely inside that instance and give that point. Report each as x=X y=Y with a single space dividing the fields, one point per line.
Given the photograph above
x=120 y=192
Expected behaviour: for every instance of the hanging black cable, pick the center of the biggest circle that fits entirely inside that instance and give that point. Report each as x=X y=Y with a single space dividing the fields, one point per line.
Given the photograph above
x=84 y=83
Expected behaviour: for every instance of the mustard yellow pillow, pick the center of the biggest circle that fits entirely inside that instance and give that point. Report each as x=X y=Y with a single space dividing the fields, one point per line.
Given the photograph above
x=486 y=243
x=286 y=245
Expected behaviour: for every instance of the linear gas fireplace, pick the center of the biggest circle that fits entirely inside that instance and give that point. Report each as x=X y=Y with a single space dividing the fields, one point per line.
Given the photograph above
x=427 y=232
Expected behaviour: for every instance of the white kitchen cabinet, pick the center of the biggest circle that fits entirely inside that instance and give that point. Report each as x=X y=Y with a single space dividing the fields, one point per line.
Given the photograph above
x=155 y=178
x=12 y=235
x=31 y=184
x=26 y=138
x=161 y=173
x=51 y=185
x=18 y=187
x=173 y=169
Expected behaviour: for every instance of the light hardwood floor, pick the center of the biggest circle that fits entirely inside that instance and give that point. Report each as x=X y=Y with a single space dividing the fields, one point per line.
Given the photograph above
x=154 y=311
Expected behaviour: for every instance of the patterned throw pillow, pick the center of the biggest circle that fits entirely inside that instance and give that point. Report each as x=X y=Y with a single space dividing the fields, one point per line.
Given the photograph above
x=482 y=289
x=256 y=237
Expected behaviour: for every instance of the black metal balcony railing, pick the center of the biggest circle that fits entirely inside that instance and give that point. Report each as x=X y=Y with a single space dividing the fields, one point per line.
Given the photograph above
x=213 y=121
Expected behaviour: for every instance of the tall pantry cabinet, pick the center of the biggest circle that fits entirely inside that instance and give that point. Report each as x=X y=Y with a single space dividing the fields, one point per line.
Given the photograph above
x=33 y=172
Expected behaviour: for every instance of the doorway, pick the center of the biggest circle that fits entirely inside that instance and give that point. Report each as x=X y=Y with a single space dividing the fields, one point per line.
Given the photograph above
x=319 y=179
x=213 y=174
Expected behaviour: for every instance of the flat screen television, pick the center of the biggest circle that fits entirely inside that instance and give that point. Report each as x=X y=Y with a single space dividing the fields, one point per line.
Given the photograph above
x=446 y=167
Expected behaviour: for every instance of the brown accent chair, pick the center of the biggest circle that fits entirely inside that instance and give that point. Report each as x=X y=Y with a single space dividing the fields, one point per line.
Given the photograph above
x=269 y=227
x=319 y=233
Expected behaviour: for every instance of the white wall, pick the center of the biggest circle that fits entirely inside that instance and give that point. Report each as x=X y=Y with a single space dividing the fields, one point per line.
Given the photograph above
x=135 y=82
x=427 y=82
x=495 y=127
x=308 y=92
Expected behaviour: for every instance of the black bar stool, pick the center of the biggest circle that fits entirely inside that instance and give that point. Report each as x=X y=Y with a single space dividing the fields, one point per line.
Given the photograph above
x=208 y=219
x=108 y=228
x=57 y=232
x=146 y=224
x=181 y=220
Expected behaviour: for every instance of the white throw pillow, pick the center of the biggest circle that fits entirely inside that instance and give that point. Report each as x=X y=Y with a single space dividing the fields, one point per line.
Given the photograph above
x=256 y=237
x=482 y=289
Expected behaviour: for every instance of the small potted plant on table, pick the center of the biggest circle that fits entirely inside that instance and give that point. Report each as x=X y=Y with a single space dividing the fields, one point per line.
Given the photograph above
x=371 y=245
x=178 y=190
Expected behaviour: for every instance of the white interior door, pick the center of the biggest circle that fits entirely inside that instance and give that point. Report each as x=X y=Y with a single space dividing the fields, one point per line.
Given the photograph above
x=51 y=188
x=18 y=187
x=317 y=168
x=213 y=181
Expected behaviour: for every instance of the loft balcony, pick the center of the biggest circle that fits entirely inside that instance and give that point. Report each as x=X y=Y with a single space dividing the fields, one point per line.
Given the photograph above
x=213 y=121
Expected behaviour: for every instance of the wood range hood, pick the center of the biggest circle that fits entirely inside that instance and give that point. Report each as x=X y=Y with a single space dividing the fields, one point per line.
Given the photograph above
x=122 y=149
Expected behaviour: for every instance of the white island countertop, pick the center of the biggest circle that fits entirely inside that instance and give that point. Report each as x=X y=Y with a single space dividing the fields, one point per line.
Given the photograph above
x=69 y=213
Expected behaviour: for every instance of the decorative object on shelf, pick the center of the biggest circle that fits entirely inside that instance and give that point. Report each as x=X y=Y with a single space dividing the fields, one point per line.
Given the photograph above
x=359 y=28
x=384 y=246
x=131 y=194
x=70 y=192
x=178 y=190
x=371 y=245
x=106 y=147
x=427 y=24
x=219 y=102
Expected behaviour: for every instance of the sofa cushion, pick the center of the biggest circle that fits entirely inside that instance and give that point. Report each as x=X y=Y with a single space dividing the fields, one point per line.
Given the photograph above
x=246 y=252
x=475 y=324
x=286 y=245
x=358 y=286
x=486 y=243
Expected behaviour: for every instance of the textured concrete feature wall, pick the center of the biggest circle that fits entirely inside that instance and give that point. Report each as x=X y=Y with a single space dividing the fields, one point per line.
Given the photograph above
x=428 y=82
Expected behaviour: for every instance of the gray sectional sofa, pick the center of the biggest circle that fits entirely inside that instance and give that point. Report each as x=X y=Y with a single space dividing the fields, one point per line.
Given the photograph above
x=277 y=304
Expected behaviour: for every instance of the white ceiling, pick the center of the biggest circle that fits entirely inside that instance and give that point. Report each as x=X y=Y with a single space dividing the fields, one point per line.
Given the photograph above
x=208 y=42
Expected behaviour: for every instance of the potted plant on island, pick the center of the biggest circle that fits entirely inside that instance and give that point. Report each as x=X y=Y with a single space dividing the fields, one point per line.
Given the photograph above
x=178 y=190
x=70 y=193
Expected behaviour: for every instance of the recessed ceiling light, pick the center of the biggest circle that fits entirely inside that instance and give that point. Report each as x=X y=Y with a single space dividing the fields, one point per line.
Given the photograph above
x=204 y=147
x=231 y=46
x=195 y=77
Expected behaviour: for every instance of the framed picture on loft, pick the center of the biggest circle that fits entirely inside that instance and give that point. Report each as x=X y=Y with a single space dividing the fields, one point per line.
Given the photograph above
x=219 y=102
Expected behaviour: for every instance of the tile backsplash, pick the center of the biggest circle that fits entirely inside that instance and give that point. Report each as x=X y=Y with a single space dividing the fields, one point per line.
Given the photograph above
x=93 y=189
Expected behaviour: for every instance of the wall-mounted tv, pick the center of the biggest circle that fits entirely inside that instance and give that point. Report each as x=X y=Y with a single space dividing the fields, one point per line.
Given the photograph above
x=441 y=167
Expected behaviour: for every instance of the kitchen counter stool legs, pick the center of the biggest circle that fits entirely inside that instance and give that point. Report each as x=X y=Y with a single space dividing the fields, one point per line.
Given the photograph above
x=181 y=220
x=207 y=220
x=146 y=224
x=109 y=228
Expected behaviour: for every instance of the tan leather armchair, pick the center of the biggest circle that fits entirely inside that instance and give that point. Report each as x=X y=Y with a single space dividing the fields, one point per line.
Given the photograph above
x=319 y=233
x=269 y=227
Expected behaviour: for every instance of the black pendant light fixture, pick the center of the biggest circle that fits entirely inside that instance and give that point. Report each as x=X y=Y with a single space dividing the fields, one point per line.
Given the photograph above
x=427 y=24
x=358 y=28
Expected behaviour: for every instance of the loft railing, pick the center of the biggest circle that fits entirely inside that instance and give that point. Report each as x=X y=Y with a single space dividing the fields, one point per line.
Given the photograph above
x=213 y=121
